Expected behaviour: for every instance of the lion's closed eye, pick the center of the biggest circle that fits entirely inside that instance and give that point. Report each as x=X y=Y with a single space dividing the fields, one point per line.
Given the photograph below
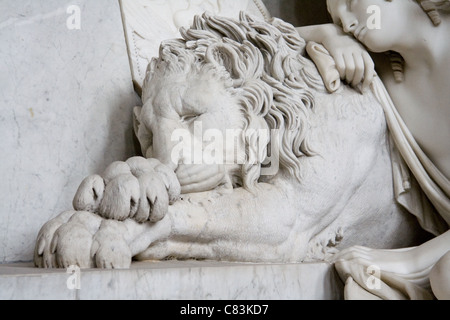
x=190 y=118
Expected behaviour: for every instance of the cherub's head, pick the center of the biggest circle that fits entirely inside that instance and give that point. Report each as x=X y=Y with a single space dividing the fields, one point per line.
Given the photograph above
x=397 y=19
x=229 y=75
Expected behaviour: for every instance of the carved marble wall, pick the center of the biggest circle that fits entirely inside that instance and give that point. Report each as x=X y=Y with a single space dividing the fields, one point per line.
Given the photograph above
x=66 y=101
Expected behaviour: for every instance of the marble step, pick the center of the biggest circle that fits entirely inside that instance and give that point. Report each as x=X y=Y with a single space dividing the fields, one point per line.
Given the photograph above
x=173 y=280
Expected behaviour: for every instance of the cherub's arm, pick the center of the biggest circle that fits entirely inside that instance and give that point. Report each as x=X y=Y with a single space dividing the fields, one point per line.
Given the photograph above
x=353 y=62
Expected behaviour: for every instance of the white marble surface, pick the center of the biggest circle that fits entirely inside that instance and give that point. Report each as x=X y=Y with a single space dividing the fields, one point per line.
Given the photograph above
x=176 y=281
x=66 y=101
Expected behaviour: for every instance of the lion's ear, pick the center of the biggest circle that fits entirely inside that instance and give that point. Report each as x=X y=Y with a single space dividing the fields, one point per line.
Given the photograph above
x=225 y=55
x=242 y=61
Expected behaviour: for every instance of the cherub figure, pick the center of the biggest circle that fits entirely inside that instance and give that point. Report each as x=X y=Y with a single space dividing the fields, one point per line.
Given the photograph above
x=415 y=34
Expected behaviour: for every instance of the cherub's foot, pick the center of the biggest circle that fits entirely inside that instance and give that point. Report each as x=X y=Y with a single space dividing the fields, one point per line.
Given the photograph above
x=400 y=262
x=423 y=265
x=440 y=278
x=85 y=240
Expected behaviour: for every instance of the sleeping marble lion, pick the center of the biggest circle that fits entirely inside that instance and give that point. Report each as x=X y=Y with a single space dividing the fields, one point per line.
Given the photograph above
x=247 y=158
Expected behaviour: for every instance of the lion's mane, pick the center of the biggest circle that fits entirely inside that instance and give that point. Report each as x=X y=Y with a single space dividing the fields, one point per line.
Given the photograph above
x=264 y=65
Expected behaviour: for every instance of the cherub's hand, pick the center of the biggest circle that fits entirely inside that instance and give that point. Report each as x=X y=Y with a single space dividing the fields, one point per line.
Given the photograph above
x=139 y=188
x=397 y=261
x=353 y=62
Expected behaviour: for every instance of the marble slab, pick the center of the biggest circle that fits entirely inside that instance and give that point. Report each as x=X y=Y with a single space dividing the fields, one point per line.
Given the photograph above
x=66 y=100
x=149 y=22
x=172 y=280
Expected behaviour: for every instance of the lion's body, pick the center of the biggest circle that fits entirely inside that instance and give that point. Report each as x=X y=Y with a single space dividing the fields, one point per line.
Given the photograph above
x=345 y=198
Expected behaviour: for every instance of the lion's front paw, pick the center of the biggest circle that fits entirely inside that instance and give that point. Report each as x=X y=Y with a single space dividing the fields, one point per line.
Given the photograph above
x=43 y=256
x=139 y=188
x=72 y=242
x=109 y=249
x=71 y=246
x=66 y=240
x=83 y=239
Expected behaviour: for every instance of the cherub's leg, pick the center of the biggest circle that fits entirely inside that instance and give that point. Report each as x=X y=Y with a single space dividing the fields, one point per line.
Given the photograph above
x=403 y=261
x=440 y=278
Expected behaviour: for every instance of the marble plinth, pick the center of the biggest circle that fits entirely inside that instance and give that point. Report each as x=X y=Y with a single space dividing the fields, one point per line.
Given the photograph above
x=176 y=281
x=66 y=99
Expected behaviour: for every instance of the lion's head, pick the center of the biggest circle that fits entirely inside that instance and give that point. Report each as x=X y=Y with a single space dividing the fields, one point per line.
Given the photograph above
x=227 y=75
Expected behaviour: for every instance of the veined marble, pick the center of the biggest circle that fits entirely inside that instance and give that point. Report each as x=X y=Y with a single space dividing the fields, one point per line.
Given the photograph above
x=173 y=280
x=66 y=103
